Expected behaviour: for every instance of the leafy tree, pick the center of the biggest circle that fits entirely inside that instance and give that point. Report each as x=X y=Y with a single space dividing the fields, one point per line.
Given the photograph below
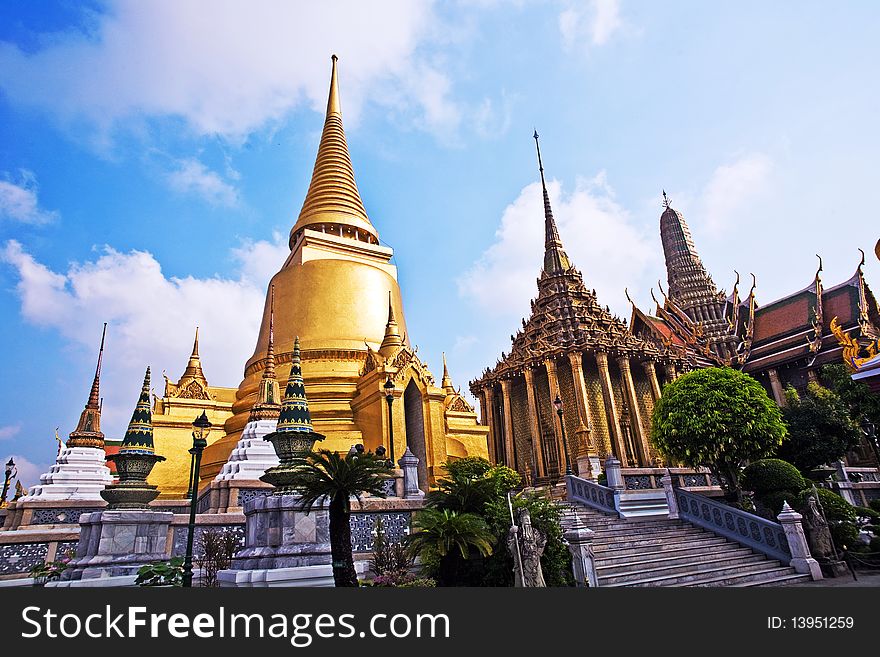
x=820 y=428
x=473 y=482
x=720 y=418
x=451 y=537
x=773 y=481
x=339 y=478
x=864 y=405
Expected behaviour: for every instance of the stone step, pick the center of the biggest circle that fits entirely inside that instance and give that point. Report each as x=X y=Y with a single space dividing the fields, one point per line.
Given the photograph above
x=639 y=546
x=782 y=580
x=711 y=576
x=766 y=577
x=647 y=537
x=637 y=574
x=615 y=565
x=623 y=527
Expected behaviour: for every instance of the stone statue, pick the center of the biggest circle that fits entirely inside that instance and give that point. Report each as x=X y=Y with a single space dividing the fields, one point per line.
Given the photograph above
x=526 y=544
x=818 y=534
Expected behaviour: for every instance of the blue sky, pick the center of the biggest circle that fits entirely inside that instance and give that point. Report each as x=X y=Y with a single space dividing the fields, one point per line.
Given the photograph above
x=153 y=157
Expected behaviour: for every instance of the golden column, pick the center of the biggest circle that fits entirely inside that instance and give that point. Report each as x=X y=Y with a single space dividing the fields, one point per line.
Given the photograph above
x=651 y=373
x=617 y=446
x=553 y=381
x=509 y=445
x=635 y=414
x=487 y=399
x=534 y=426
x=584 y=432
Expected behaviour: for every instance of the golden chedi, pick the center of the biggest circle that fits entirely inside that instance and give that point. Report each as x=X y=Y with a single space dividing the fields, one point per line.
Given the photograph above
x=338 y=292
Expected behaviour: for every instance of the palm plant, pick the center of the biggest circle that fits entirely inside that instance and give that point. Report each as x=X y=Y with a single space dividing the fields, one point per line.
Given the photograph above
x=326 y=474
x=450 y=535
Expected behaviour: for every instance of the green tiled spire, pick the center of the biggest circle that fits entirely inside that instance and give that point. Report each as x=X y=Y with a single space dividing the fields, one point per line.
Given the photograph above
x=295 y=407
x=139 y=436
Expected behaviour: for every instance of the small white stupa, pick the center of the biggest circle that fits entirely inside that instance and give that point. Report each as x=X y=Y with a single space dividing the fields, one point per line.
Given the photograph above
x=253 y=455
x=80 y=472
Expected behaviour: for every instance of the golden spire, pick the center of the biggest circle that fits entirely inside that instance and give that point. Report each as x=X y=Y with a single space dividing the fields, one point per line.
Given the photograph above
x=446 y=382
x=268 y=404
x=333 y=203
x=88 y=429
x=392 y=339
x=193 y=371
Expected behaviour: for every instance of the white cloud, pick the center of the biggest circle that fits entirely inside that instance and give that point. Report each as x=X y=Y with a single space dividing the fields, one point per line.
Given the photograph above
x=731 y=189
x=19 y=202
x=590 y=23
x=151 y=317
x=599 y=237
x=235 y=67
x=192 y=177
x=10 y=431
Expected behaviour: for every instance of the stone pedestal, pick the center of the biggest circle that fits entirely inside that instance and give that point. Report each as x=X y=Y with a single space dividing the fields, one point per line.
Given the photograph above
x=79 y=473
x=409 y=463
x=580 y=544
x=279 y=534
x=801 y=560
x=117 y=543
x=613 y=474
x=230 y=495
x=669 y=491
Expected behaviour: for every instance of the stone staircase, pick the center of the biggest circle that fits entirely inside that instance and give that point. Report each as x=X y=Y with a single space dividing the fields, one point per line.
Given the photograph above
x=657 y=551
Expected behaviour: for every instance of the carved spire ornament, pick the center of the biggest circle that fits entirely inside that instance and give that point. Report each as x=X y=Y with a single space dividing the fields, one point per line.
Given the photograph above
x=392 y=340
x=555 y=259
x=268 y=404
x=88 y=429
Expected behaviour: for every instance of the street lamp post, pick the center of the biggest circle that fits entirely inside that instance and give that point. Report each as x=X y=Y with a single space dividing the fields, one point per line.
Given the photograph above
x=201 y=429
x=10 y=470
x=389 y=397
x=557 y=403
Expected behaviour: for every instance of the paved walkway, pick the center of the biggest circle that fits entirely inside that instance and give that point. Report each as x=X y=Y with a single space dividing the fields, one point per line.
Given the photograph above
x=866 y=578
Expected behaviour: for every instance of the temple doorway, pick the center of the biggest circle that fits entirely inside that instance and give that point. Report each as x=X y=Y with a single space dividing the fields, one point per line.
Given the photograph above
x=414 y=416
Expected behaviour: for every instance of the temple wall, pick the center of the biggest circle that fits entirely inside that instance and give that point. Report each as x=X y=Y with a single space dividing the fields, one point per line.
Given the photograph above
x=519 y=404
x=601 y=434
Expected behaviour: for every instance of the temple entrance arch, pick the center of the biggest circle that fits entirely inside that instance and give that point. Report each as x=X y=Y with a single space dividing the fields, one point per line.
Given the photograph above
x=414 y=416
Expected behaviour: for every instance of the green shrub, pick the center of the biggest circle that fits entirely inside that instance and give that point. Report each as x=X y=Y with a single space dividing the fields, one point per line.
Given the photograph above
x=161 y=573
x=874 y=504
x=836 y=508
x=774 y=500
x=874 y=545
x=866 y=514
x=770 y=475
x=845 y=535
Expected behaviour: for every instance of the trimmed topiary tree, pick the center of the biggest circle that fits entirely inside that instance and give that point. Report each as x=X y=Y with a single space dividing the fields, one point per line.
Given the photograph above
x=771 y=475
x=720 y=418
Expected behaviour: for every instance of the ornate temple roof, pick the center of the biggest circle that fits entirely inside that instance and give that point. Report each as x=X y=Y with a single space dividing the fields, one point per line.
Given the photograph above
x=566 y=317
x=333 y=196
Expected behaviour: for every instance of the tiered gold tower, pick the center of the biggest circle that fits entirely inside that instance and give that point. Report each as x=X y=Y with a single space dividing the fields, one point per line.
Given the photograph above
x=338 y=292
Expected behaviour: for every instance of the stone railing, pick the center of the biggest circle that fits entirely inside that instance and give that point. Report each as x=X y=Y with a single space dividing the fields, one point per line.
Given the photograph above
x=753 y=531
x=17 y=559
x=591 y=494
x=649 y=478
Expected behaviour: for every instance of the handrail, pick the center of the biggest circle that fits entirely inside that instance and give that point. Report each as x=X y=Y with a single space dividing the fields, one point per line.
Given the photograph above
x=746 y=528
x=591 y=494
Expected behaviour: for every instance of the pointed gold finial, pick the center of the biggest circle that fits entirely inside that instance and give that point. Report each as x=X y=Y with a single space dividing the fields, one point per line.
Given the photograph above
x=333 y=105
x=193 y=371
x=392 y=339
x=555 y=259
x=446 y=382
x=666 y=202
x=333 y=201
x=862 y=261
